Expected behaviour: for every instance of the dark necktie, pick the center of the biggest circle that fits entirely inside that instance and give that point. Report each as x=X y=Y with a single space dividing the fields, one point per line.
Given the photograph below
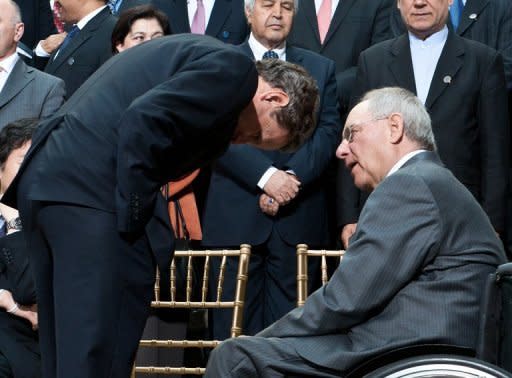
x=270 y=55
x=74 y=31
x=455 y=12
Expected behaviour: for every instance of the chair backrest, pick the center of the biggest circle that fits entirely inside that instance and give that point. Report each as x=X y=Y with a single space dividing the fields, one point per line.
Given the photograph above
x=495 y=334
x=183 y=276
x=303 y=254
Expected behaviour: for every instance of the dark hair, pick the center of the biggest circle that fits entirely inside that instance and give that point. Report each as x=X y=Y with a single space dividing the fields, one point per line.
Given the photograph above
x=299 y=116
x=129 y=16
x=14 y=135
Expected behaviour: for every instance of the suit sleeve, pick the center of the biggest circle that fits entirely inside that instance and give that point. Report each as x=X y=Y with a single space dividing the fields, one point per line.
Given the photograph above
x=177 y=126
x=504 y=42
x=386 y=253
x=311 y=160
x=494 y=134
x=54 y=99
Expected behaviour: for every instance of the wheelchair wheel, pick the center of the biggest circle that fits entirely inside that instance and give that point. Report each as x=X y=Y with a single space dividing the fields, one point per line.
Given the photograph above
x=444 y=366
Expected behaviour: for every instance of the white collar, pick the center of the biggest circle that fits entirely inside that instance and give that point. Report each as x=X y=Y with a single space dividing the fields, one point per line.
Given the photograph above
x=8 y=63
x=404 y=159
x=435 y=39
x=258 y=49
x=81 y=24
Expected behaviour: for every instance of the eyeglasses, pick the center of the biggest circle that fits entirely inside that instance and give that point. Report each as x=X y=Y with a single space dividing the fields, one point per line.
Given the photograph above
x=350 y=130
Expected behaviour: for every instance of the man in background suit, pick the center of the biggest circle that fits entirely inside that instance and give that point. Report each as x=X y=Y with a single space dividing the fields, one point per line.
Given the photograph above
x=270 y=213
x=88 y=189
x=25 y=92
x=222 y=19
x=462 y=84
x=354 y=26
x=87 y=44
x=422 y=244
x=488 y=22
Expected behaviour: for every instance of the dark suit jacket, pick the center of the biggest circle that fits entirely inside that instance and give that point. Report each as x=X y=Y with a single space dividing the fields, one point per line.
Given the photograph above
x=355 y=26
x=18 y=342
x=227 y=21
x=236 y=174
x=413 y=273
x=38 y=19
x=485 y=21
x=85 y=53
x=467 y=102
x=147 y=116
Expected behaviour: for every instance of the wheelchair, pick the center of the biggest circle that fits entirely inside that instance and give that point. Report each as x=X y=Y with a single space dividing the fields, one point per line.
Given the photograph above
x=492 y=357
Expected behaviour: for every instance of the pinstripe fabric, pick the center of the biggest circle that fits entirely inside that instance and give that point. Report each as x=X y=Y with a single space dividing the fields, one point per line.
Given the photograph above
x=29 y=93
x=412 y=274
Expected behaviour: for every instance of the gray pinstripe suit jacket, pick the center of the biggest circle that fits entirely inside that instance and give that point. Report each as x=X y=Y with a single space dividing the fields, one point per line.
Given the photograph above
x=413 y=273
x=29 y=93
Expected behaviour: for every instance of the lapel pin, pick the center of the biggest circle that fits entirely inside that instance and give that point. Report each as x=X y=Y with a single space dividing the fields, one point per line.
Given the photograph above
x=71 y=61
x=447 y=79
x=473 y=16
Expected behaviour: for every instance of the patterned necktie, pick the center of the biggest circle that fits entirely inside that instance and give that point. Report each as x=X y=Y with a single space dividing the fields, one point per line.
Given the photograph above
x=114 y=6
x=74 y=31
x=455 y=12
x=270 y=55
x=324 y=18
x=57 y=20
x=198 y=23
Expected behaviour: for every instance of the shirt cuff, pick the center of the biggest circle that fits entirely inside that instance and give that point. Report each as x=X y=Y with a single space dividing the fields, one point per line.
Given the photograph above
x=266 y=176
x=40 y=51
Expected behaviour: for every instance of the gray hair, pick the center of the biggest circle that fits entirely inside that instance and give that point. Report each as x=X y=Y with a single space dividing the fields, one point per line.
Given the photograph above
x=417 y=124
x=249 y=5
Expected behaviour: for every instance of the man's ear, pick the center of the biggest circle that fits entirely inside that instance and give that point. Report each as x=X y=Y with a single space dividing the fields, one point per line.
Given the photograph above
x=396 y=127
x=276 y=97
x=19 y=28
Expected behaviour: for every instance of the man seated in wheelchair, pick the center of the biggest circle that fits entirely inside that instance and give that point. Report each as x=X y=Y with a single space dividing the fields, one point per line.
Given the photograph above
x=414 y=270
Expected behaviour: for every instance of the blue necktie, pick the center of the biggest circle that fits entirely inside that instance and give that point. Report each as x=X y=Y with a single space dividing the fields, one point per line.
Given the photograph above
x=114 y=6
x=270 y=55
x=74 y=31
x=455 y=12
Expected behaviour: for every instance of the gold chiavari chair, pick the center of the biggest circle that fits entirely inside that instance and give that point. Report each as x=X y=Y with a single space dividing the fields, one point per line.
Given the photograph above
x=187 y=301
x=303 y=254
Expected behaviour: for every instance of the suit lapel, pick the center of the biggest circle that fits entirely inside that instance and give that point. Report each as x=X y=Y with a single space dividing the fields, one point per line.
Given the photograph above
x=470 y=14
x=19 y=78
x=246 y=49
x=220 y=12
x=178 y=17
x=84 y=34
x=293 y=55
x=401 y=63
x=308 y=8
x=449 y=63
x=340 y=13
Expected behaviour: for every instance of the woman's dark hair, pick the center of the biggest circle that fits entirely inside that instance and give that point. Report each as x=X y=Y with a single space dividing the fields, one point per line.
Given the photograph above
x=129 y=16
x=14 y=135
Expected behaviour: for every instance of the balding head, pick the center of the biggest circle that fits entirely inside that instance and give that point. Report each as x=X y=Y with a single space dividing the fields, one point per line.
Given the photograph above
x=11 y=28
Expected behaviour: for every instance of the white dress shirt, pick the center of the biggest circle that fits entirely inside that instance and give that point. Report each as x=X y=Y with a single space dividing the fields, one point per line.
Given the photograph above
x=6 y=67
x=425 y=55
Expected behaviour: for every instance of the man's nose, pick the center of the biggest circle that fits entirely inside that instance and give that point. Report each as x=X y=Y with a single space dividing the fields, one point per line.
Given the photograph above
x=343 y=150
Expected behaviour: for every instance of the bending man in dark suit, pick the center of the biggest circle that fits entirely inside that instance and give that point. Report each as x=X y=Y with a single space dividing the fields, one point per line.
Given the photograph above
x=413 y=272
x=88 y=188
x=272 y=215
x=462 y=84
